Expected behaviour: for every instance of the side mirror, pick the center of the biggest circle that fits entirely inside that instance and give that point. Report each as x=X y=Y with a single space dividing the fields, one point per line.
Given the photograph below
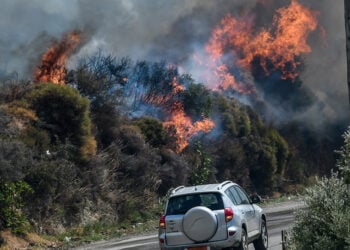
x=255 y=198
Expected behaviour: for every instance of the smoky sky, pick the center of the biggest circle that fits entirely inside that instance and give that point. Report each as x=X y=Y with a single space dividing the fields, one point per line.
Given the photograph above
x=169 y=30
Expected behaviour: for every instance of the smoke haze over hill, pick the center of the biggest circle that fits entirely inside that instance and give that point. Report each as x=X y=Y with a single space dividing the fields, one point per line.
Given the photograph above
x=173 y=31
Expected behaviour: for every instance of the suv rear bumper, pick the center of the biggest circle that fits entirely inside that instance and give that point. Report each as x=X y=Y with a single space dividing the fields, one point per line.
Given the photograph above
x=231 y=240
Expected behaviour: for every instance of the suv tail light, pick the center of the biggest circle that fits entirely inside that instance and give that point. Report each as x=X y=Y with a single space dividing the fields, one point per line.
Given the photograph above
x=228 y=214
x=162 y=221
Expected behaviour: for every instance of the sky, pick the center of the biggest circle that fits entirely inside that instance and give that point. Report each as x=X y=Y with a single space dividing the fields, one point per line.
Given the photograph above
x=169 y=30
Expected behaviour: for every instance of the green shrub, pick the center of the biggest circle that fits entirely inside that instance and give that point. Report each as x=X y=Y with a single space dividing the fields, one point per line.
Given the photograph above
x=64 y=114
x=324 y=224
x=197 y=100
x=57 y=192
x=11 y=203
x=153 y=131
x=344 y=161
x=202 y=165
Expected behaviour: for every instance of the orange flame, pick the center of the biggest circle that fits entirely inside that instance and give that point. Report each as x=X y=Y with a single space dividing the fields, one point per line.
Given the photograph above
x=53 y=61
x=176 y=86
x=184 y=128
x=159 y=100
x=182 y=124
x=278 y=47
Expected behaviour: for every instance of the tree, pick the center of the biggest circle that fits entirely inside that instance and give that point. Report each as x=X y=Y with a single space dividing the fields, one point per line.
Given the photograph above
x=13 y=89
x=197 y=101
x=230 y=161
x=201 y=163
x=247 y=150
x=101 y=79
x=65 y=115
x=153 y=131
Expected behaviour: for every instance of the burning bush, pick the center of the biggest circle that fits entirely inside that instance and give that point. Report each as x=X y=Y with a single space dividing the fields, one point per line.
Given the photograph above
x=53 y=61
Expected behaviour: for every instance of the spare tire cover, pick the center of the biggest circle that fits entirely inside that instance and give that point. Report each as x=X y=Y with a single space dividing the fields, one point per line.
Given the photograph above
x=199 y=224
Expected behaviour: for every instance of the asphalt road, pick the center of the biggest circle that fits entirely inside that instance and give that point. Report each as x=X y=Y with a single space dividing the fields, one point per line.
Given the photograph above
x=279 y=217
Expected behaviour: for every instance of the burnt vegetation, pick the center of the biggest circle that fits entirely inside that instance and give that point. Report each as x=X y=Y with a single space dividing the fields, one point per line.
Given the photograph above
x=96 y=149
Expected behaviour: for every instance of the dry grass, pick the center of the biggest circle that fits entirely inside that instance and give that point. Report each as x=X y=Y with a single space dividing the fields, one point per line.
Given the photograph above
x=29 y=241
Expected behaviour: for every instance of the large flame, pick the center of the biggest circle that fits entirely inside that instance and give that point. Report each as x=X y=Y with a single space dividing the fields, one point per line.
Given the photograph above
x=178 y=123
x=278 y=48
x=53 y=61
x=182 y=124
x=184 y=127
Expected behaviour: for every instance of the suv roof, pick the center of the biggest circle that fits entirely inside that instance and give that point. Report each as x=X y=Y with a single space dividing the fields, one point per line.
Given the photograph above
x=181 y=190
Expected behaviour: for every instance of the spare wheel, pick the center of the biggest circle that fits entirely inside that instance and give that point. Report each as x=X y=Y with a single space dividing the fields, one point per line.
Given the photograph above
x=199 y=224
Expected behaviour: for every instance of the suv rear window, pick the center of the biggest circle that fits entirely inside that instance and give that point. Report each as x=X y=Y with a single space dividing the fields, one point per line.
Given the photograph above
x=181 y=204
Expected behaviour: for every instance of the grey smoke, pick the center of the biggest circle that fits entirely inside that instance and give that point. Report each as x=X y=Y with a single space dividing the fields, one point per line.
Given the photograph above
x=168 y=30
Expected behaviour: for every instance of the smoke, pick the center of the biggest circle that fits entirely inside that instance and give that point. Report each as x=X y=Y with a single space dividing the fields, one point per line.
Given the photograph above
x=151 y=30
x=325 y=70
x=173 y=31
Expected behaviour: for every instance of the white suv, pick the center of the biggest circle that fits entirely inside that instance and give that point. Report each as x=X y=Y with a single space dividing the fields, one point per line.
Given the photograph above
x=212 y=216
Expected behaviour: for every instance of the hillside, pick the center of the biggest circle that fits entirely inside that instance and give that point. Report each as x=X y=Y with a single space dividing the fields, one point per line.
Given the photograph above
x=93 y=150
x=91 y=137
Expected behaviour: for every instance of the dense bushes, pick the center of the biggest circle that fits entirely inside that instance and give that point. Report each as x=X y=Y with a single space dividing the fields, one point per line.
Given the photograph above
x=197 y=101
x=200 y=163
x=99 y=78
x=96 y=150
x=45 y=134
x=65 y=115
x=343 y=163
x=242 y=147
x=247 y=151
x=11 y=204
x=324 y=223
x=15 y=160
x=153 y=131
